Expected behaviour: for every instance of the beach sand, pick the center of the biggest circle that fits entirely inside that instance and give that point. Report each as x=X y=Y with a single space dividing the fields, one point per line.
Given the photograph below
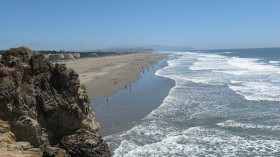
x=128 y=107
x=104 y=76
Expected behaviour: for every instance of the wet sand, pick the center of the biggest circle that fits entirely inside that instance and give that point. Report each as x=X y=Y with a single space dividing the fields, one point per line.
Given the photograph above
x=104 y=76
x=130 y=105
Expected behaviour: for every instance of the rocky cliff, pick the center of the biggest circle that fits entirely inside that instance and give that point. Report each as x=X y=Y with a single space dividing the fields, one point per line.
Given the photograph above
x=44 y=110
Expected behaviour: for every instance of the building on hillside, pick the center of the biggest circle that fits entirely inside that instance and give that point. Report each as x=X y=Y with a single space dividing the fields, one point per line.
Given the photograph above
x=47 y=56
x=62 y=56
x=76 y=55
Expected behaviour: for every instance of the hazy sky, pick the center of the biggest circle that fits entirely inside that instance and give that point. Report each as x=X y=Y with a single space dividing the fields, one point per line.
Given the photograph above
x=94 y=24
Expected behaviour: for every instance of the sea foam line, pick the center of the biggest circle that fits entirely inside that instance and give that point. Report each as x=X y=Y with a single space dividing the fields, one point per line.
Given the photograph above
x=258 y=80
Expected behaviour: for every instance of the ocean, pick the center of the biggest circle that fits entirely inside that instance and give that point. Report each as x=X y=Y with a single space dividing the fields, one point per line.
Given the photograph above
x=223 y=103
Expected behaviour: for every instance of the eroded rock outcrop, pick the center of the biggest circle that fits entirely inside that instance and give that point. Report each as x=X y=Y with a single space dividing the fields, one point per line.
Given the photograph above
x=45 y=105
x=10 y=148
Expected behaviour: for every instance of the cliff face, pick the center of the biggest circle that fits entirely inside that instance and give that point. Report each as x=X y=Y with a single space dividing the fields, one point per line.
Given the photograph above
x=46 y=106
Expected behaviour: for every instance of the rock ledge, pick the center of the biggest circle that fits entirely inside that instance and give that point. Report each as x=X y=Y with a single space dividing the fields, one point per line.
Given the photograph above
x=44 y=111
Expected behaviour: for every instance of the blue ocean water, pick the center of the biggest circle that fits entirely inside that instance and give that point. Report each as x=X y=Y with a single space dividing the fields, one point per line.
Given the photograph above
x=224 y=103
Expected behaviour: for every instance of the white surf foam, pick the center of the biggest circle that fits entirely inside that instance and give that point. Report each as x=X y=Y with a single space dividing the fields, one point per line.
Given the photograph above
x=274 y=62
x=200 y=141
x=252 y=64
x=234 y=124
x=228 y=52
x=258 y=91
x=257 y=80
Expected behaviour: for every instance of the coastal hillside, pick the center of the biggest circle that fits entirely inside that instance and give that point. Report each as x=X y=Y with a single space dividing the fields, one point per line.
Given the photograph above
x=44 y=111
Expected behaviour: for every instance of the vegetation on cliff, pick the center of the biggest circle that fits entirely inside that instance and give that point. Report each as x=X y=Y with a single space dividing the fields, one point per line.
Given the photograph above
x=45 y=105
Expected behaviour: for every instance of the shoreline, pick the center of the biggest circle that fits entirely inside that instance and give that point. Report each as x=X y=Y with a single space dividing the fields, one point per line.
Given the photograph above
x=105 y=76
x=127 y=107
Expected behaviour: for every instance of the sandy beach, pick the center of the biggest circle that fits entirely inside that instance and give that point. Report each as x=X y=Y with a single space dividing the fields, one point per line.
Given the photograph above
x=104 y=76
x=129 y=106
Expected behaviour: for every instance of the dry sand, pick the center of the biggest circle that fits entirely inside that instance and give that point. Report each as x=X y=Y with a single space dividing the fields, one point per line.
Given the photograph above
x=104 y=76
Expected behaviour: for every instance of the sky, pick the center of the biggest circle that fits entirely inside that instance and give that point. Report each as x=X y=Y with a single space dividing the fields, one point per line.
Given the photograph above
x=99 y=24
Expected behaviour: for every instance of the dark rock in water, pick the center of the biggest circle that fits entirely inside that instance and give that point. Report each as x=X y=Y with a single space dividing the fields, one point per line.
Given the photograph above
x=47 y=107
